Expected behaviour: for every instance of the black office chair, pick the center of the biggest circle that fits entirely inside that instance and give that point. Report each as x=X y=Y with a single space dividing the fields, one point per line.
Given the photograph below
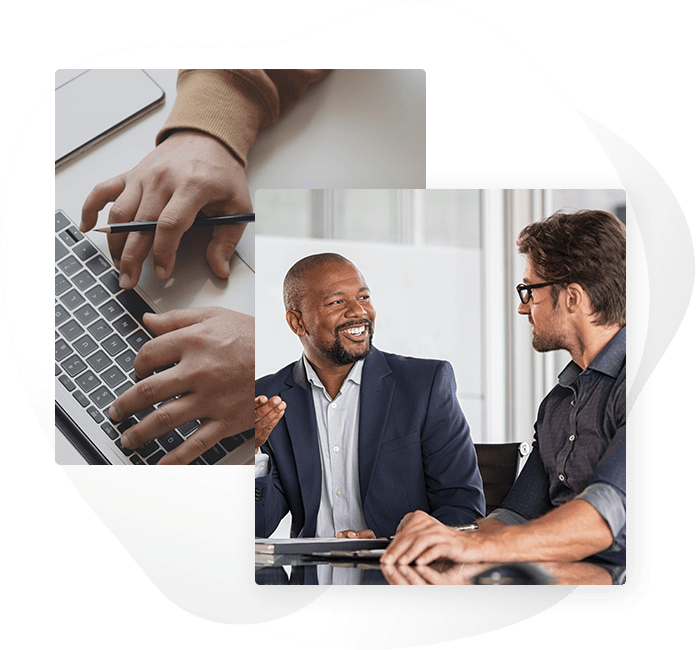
x=499 y=464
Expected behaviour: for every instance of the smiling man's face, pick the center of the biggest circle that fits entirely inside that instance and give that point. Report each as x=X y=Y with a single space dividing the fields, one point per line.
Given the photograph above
x=337 y=315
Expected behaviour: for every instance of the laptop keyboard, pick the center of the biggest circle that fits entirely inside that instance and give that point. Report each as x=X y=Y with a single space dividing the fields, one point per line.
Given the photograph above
x=99 y=330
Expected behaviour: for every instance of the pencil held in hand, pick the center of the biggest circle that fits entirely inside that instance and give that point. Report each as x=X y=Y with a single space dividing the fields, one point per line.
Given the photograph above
x=143 y=226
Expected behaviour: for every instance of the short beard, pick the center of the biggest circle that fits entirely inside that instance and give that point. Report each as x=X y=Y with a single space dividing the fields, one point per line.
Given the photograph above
x=338 y=354
x=547 y=344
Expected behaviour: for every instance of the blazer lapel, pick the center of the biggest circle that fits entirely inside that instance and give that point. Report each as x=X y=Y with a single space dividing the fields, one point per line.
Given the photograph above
x=300 y=421
x=376 y=391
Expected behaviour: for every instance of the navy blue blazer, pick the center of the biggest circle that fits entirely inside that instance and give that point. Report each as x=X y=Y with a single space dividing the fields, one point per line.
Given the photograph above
x=414 y=450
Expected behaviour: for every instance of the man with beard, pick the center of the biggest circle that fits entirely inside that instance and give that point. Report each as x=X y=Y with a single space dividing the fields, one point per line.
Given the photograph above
x=569 y=502
x=359 y=437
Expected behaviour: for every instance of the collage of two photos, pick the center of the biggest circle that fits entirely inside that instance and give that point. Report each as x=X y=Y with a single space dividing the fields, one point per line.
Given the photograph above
x=438 y=373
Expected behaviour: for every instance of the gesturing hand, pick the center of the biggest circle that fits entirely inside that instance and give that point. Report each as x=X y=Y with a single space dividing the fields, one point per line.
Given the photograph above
x=213 y=349
x=267 y=413
x=187 y=173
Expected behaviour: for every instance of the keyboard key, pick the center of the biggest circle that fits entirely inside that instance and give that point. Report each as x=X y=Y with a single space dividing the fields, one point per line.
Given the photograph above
x=95 y=414
x=72 y=300
x=82 y=400
x=61 y=250
x=62 y=350
x=66 y=382
x=102 y=397
x=134 y=304
x=126 y=424
x=187 y=429
x=98 y=265
x=125 y=325
x=110 y=310
x=88 y=381
x=71 y=330
x=154 y=459
x=109 y=430
x=71 y=236
x=110 y=281
x=197 y=461
x=213 y=455
x=231 y=443
x=123 y=388
x=61 y=314
x=100 y=329
x=248 y=434
x=85 y=346
x=69 y=265
x=136 y=460
x=73 y=365
x=148 y=448
x=84 y=280
x=114 y=344
x=86 y=314
x=126 y=360
x=62 y=220
x=85 y=249
x=113 y=377
x=62 y=284
x=97 y=295
x=141 y=415
x=137 y=340
x=125 y=451
x=99 y=360
x=170 y=440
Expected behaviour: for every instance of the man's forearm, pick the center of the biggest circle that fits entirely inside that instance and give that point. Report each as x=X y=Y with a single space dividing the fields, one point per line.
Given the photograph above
x=570 y=532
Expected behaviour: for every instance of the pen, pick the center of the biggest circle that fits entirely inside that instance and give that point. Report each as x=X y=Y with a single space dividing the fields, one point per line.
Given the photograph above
x=202 y=220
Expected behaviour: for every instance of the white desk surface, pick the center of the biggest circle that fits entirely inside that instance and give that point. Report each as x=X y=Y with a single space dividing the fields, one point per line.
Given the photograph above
x=355 y=129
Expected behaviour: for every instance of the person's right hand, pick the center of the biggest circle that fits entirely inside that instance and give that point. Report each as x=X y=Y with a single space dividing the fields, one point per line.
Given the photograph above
x=267 y=413
x=187 y=173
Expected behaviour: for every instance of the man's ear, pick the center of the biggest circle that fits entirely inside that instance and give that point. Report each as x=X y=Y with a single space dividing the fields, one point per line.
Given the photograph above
x=575 y=297
x=294 y=319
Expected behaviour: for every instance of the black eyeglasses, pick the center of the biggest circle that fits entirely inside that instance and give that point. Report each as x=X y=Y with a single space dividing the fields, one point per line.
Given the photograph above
x=525 y=290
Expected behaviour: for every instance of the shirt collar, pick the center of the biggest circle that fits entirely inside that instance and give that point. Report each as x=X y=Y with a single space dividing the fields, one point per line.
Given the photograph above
x=613 y=355
x=609 y=361
x=355 y=374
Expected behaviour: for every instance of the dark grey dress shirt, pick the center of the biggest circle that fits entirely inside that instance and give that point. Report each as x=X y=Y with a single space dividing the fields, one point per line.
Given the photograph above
x=579 y=448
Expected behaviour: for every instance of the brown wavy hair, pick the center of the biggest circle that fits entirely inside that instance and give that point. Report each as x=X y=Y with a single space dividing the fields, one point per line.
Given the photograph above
x=587 y=247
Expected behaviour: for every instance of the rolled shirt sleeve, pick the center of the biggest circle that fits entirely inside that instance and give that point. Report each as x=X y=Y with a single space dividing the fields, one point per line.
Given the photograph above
x=232 y=105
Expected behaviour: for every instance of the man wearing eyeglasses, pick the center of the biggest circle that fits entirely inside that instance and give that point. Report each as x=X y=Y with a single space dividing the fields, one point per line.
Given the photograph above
x=569 y=502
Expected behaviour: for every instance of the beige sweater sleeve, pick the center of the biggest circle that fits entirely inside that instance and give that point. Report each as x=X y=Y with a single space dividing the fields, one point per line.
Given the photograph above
x=232 y=105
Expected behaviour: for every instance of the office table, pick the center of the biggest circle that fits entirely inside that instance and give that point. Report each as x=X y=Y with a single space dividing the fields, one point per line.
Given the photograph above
x=307 y=570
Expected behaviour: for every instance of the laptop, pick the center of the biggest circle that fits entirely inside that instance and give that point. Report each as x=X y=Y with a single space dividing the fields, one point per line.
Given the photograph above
x=98 y=332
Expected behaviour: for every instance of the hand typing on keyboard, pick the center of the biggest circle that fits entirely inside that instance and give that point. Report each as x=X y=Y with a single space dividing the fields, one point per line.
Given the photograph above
x=208 y=360
x=187 y=173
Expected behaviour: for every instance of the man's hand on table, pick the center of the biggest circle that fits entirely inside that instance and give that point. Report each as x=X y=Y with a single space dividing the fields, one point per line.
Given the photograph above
x=422 y=539
x=187 y=173
x=267 y=413
x=213 y=349
x=365 y=533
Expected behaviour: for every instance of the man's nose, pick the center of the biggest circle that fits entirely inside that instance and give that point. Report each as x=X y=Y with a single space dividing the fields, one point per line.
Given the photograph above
x=523 y=309
x=355 y=309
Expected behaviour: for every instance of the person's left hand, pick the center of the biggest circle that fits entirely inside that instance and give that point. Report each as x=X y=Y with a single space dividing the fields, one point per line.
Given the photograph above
x=423 y=539
x=365 y=533
x=213 y=349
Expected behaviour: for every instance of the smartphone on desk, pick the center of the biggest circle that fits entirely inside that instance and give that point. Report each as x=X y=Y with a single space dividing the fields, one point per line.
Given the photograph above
x=93 y=104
